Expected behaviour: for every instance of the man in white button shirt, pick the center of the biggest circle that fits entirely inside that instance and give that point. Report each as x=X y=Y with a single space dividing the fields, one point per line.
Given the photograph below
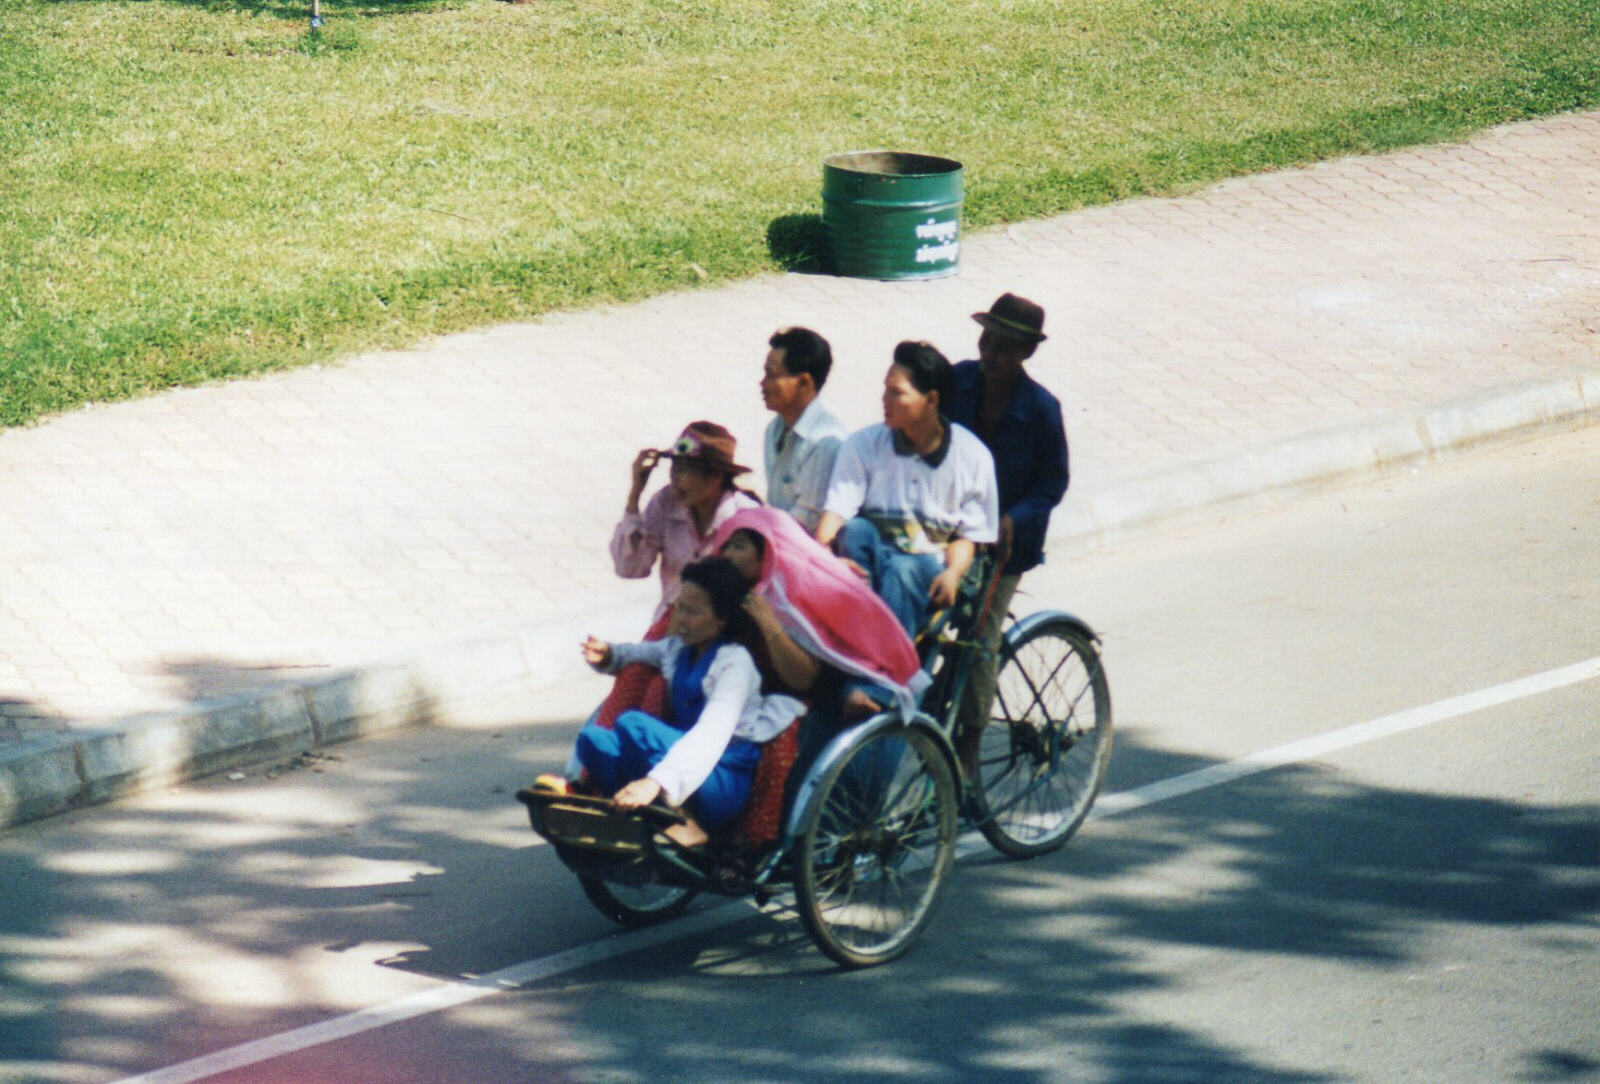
x=804 y=438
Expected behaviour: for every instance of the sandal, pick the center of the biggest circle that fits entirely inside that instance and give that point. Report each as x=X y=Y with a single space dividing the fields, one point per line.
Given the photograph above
x=549 y=783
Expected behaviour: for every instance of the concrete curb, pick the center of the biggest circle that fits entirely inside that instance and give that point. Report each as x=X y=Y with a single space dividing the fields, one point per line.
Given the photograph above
x=1386 y=442
x=85 y=767
x=441 y=685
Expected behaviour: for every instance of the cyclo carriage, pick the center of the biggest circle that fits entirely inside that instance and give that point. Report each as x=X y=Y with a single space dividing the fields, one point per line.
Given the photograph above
x=867 y=834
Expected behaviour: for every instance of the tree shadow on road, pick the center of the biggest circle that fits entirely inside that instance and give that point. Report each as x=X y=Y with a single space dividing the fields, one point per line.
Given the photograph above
x=1046 y=970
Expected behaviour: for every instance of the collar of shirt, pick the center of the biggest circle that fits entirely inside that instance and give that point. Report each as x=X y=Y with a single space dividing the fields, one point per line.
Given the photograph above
x=969 y=396
x=811 y=419
x=902 y=446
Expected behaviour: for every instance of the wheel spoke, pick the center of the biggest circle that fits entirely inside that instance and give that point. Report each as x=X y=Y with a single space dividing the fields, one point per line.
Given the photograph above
x=1043 y=756
x=640 y=904
x=878 y=847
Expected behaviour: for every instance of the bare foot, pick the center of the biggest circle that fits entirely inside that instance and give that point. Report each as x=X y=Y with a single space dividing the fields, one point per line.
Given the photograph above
x=689 y=834
x=859 y=707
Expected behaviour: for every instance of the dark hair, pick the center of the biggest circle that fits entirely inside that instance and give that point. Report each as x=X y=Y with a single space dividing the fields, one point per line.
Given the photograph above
x=755 y=538
x=804 y=351
x=724 y=586
x=730 y=485
x=929 y=370
x=730 y=481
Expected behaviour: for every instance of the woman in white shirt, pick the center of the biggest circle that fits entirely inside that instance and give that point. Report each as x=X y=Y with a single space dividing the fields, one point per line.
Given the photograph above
x=703 y=757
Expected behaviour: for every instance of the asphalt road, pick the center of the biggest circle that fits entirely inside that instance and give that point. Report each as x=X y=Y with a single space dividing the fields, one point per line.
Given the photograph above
x=1415 y=903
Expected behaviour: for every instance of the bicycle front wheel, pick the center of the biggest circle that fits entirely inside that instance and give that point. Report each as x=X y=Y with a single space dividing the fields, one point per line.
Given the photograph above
x=876 y=846
x=1047 y=746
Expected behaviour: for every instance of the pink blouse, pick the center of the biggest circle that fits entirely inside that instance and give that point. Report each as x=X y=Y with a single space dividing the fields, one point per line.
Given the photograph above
x=665 y=529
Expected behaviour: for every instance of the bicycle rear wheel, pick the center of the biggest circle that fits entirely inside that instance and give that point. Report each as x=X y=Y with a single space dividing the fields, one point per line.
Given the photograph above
x=1045 y=752
x=635 y=905
x=876 y=846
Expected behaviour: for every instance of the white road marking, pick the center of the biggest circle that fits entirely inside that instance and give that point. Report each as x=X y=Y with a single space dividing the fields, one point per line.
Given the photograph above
x=1310 y=748
x=1110 y=805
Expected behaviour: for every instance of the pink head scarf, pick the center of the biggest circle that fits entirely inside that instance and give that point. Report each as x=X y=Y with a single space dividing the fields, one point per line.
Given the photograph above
x=831 y=613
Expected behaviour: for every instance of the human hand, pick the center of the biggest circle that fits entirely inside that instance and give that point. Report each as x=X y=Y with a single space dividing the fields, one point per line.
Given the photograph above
x=760 y=610
x=827 y=532
x=597 y=653
x=942 y=591
x=643 y=464
x=857 y=569
x=640 y=792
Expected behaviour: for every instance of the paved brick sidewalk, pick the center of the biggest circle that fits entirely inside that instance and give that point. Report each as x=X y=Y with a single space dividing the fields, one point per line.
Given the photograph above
x=221 y=539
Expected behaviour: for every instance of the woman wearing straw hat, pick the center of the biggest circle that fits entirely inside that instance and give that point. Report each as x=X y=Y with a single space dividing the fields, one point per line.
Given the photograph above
x=681 y=518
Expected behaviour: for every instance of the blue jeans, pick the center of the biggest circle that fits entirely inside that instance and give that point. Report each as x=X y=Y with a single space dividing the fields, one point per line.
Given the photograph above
x=637 y=744
x=901 y=579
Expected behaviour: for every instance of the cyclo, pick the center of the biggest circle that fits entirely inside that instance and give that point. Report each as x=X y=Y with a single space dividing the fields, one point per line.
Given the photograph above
x=868 y=834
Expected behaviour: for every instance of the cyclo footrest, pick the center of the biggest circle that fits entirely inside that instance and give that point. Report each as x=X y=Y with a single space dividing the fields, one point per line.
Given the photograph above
x=587 y=823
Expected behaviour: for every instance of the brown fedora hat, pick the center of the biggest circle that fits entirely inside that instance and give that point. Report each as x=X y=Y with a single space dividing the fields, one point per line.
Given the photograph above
x=1014 y=316
x=707 y=443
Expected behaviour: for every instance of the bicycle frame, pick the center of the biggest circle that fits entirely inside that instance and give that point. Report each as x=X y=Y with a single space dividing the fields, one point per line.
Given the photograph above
x=602 y=844
x=839 y=747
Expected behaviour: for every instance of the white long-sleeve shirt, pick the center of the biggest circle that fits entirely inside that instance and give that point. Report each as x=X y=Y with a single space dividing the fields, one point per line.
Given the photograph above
x=734 y=708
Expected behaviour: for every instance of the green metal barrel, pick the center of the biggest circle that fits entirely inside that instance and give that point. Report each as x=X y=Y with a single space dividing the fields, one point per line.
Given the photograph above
x=890 y=215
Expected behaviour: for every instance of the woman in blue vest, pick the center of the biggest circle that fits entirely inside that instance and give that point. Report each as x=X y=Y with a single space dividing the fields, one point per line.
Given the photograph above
x=702 y=758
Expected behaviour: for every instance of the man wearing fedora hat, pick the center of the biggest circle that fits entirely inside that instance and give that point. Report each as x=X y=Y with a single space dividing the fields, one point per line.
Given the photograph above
x=1021 y=424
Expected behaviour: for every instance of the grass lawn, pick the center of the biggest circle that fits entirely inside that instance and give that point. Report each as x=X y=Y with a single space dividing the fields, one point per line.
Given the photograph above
x=192 y=189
